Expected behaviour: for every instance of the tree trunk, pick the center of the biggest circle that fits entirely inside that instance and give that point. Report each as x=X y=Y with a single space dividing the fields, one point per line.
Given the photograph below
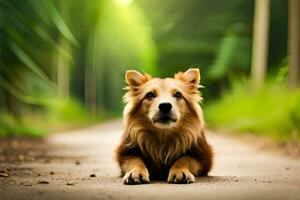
x=90 y=75
x=63 y=72
x=293 y=44
x=63 y=63
x=260 y=43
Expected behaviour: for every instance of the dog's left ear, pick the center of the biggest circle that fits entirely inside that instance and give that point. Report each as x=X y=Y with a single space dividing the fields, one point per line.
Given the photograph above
x=191 y=76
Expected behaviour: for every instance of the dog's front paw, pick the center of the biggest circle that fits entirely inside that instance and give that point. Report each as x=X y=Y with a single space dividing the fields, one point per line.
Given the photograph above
x=180 y=176
x=136 y=176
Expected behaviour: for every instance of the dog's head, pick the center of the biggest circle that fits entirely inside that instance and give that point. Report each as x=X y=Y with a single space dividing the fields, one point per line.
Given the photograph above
x=163 y=103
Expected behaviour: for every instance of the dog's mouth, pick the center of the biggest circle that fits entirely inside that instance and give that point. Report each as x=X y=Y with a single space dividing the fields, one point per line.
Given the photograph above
x=165 y=119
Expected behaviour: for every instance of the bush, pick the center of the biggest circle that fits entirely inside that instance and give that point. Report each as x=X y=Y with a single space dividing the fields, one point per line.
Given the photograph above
x=10 y=126
x=273 y=111
x=54 y=114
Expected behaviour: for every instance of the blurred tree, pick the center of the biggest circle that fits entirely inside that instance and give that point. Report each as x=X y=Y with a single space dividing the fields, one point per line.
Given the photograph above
x=63 y=71
x=212 y=35
x=82 y=69
x=113 y=37
x=260 y=43
x=26 y=30
x=233 y=54
x=63 y=62
x=293 y=44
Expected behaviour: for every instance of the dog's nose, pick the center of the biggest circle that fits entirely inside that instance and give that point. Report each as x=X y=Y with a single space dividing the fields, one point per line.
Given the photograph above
x=165 y=108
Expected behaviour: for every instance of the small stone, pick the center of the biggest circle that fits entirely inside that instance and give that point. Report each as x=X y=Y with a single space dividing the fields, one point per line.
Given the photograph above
x=287 y=168
x=77 y=162
x=43 y=182
x=92 y=175
x=70 y=183
x=52 y=173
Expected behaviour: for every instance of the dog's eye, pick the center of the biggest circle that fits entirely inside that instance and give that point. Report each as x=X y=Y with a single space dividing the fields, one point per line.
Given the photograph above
x=178 y=95
x=150 y=95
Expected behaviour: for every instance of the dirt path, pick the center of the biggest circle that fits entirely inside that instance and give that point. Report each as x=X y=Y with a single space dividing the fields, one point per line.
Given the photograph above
x=64 y=165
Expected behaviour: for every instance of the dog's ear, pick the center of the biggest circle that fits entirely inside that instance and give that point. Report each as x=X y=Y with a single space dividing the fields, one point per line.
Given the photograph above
x=135 y=78
x=191 y=76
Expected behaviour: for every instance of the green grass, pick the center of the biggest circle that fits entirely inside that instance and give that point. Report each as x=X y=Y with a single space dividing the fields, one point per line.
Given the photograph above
x=55 y=115
x=11 y=126
x=273 y=111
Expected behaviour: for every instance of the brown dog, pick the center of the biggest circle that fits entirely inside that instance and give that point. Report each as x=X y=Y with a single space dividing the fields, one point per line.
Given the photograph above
x=163 y=137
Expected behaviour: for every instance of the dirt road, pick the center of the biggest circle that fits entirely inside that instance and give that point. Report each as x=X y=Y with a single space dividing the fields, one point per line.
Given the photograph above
x=80 y=165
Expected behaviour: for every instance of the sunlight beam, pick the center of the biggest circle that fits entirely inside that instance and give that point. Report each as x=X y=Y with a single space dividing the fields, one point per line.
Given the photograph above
x=124 y=2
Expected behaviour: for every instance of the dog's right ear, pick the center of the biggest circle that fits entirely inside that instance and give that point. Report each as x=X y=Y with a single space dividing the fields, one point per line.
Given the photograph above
x=134 y=78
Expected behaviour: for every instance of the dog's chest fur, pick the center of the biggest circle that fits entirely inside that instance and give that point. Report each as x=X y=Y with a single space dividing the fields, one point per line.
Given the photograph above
x=164 y=148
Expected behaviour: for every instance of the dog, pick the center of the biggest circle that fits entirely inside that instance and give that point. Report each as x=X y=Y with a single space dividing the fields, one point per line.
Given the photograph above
x=163 y=137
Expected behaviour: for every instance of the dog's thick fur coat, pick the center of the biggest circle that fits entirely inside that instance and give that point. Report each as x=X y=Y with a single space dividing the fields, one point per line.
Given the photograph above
x=148 y=149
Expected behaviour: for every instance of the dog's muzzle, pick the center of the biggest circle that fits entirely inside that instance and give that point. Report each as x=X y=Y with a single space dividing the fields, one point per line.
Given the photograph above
x=164 y=119
x=164 y=115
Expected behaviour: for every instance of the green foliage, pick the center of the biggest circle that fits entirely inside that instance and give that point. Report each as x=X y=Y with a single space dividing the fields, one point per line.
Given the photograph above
x=272 y=111
x=57 y=114
x=28 y=34
x=66 y=111
x=190 y=33
x=25 y=32
x=233 y=55
x=44 y=45
x=10 y=126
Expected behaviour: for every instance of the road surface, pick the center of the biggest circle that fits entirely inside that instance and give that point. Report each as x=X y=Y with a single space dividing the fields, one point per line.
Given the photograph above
x=80 y=165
